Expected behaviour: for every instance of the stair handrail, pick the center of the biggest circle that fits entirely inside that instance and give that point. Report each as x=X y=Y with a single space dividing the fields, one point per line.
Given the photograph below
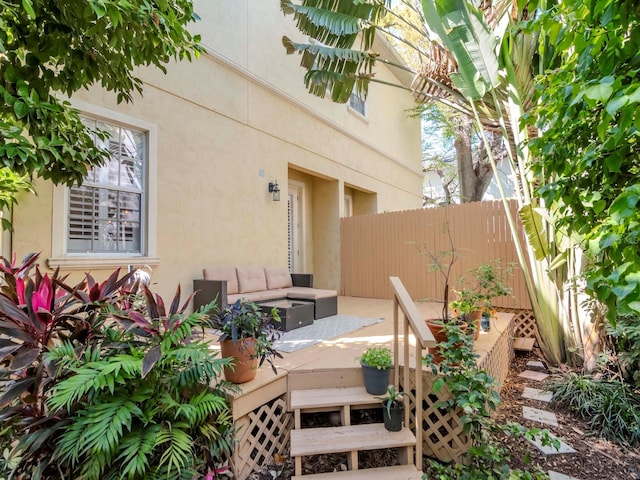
x=413 y=323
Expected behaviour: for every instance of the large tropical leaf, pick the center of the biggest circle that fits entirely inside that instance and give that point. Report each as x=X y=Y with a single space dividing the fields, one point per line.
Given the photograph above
x=337 y=23
x=333 y=63
x=533 y=223
x=331 y=28
x=463 y=31
x=333 y=70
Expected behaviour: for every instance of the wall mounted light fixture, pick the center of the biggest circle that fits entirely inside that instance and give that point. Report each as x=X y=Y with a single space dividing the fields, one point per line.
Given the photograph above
x=275 y=190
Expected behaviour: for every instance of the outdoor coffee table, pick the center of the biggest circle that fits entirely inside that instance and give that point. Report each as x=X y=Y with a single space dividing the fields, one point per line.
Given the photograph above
x=293 y=313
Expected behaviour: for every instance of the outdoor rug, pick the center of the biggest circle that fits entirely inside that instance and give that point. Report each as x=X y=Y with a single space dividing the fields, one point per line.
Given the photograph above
x=321 y=329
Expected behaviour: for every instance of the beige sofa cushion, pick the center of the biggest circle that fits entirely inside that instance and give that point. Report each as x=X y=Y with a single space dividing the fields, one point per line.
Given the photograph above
x=223 y=273
x=257 y=296
x=278 y=277
x=251 y=279
x=304 y=293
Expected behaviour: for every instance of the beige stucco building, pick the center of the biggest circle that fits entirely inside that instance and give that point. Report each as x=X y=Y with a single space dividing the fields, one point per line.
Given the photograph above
x=199 y=149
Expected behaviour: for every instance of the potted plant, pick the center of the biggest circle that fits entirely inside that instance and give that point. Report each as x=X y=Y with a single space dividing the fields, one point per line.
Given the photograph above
x=442 y=263
x=468 y=307
x=247 y=335
x=376 y=365
x=392 y=409
x=490 y=283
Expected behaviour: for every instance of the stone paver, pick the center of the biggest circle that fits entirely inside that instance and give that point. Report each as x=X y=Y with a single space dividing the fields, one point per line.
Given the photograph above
x=531 y=375
x=560 y=476
x=550 y=449
x=542 y=416
x=536 y=365
x=524 y=344
x=537 y=394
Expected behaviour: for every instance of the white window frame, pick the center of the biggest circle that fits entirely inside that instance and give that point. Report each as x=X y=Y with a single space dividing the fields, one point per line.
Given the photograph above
x=356 y=112
x=59 y=255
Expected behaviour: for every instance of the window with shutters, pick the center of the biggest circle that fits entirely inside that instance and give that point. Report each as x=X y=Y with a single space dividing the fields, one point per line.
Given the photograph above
x=110 y=220
x=106 y=213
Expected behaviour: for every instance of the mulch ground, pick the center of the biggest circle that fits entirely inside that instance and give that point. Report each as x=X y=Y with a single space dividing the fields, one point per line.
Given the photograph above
x=595 y=458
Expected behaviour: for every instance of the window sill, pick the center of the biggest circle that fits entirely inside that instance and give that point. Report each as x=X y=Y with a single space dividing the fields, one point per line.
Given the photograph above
x=357 y=114
x=85 y=262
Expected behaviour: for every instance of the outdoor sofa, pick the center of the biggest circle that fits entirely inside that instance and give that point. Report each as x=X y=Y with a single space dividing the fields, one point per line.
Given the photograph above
x=261 y=284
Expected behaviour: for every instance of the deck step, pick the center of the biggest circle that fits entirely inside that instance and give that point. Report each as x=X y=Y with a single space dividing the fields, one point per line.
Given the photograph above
x=398 y=472
x=372 y=436
x=331 y=397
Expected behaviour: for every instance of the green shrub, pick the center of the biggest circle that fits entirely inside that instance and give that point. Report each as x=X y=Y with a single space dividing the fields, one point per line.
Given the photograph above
x=378 y=357
x=625 y=334
x=610 y=407
x=474 y=397
x=101 y=383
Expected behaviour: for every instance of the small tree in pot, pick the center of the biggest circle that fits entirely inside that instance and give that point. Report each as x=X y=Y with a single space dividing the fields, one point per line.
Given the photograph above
x=489 y=281
x=441 y=263
x=376 y=365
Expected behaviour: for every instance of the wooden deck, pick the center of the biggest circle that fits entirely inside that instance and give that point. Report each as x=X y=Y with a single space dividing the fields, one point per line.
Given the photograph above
x=334 y=362
x=262 y=409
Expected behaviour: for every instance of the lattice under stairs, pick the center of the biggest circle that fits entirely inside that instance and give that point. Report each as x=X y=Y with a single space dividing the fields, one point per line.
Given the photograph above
x=347 y=438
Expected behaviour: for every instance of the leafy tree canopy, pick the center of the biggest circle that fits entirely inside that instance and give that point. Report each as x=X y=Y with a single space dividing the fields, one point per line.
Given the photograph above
x=49 y=49
x=588 y=153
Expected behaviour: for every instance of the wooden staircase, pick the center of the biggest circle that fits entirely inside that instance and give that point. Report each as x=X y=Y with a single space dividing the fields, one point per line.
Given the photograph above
x=347 y=438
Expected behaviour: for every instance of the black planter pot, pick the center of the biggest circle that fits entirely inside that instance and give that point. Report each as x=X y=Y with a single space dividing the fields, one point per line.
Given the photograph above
x=376 y=381
x=393 y=423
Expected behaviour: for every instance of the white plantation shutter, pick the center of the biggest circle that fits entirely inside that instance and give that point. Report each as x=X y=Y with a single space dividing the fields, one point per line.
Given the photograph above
x=106 y=213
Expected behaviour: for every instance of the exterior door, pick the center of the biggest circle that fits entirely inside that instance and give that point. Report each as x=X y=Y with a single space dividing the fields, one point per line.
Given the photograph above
x=295 y=237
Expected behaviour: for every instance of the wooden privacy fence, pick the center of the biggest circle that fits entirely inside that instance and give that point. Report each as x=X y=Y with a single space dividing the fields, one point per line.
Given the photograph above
x=376 y=247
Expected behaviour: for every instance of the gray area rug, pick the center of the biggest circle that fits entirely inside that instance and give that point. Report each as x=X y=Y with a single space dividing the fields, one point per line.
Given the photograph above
x=321 y=329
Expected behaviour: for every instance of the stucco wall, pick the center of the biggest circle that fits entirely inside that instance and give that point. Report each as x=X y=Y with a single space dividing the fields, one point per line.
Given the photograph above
x=228 y=124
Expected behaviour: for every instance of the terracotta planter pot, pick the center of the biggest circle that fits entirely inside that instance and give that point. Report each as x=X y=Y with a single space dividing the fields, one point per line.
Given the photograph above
x=440 y=335
x=244 y=367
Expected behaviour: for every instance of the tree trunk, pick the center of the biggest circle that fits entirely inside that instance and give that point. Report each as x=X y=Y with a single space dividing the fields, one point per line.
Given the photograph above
x=462 y=144
x=474 y=174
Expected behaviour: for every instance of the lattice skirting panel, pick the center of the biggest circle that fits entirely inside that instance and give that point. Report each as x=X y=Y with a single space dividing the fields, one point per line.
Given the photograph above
x=261 y=434
x=497 y=361
x=524 y=321
x=442 y=435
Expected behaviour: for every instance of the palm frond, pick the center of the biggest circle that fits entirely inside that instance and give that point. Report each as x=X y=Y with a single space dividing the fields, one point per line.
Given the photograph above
x=333 y=64
x=94 y=377
x=176 y=445
x=206 y=404
x=198 y=364
x=95 y=435
x=334 y=70
x=135 y=451
x=337 y=23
